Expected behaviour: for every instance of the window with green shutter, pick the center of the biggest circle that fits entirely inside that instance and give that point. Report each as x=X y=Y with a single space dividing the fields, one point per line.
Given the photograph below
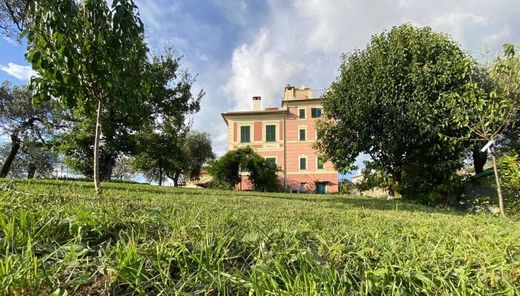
x=316 y=112
x=302 y=113
x=302 y=134
x=270 y=133
x=303 y=163
x=245 y=134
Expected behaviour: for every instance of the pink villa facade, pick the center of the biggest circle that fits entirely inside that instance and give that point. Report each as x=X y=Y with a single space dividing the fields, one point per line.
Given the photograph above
x=285 y=136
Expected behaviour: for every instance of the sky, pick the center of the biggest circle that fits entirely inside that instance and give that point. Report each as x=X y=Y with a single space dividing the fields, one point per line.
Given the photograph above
x=239 y=49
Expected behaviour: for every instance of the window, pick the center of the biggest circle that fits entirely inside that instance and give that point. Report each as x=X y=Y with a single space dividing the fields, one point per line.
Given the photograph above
x=245 y=134
x=316 y=112
x=271 y=161
x=270 y=133
x=302 y=134
x=302 y=113
x=303 y=163
x=319 y=165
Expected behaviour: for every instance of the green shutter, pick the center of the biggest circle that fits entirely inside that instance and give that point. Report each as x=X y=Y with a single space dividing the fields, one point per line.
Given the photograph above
x=302 y=134
x=270 y=133
x=302 y=113
x=315 y=112
x=303 y=163
x=245 y=134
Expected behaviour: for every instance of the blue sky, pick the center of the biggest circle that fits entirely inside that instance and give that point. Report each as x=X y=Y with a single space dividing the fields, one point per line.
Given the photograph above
x=241 y=49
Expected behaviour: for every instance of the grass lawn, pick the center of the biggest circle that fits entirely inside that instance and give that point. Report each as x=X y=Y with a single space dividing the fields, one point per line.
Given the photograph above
x=56 y=236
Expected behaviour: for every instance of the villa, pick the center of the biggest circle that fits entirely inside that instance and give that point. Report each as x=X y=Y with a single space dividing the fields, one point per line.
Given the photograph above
x=285 y=136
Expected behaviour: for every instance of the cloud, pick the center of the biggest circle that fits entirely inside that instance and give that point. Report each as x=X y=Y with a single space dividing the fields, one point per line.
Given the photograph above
x=18 y=71
x=241 y=49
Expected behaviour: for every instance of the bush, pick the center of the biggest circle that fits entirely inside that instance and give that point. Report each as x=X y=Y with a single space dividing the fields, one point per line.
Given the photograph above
x=509 y=165
x=226 y=170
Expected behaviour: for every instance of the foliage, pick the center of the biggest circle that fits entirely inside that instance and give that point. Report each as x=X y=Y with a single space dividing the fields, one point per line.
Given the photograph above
x=123 y=168
x=388 y=103
x=486 y=112
x=160 y=153
x=226 y=170
x=165 y=148
x=24 y=123
x=169 y=241
x=90 y=57
x=509 y=165
x=34 y=160
x=197 y=147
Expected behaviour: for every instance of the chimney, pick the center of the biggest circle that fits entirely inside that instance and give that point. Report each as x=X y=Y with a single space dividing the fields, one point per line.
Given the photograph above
x=256 y=103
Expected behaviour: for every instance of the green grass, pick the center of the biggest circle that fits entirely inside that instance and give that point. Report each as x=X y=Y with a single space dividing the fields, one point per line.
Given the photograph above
x=57 y=236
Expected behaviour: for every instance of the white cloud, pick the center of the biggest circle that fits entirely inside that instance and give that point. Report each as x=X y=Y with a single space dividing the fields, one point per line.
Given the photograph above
x=20 y=72
x=244 y=48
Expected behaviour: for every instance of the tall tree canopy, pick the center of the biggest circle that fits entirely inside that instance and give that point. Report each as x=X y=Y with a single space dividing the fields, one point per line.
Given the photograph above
x=89 y=56
x=387 y=103
x=161 y=150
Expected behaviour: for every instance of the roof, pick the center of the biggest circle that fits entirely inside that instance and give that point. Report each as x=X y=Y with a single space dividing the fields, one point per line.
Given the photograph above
x=260 y=112
x=301 y=100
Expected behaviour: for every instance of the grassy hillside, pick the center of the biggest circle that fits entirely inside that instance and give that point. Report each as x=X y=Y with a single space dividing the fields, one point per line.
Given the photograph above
x=142 y=239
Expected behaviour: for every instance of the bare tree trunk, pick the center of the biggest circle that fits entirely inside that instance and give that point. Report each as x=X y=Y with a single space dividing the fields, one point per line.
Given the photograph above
x=96 y=149
x=479 y=159
x=160 y=172
x=15 y=146
x=176 y=179
x=499 y=189
x=396 y=178
x=31 y=170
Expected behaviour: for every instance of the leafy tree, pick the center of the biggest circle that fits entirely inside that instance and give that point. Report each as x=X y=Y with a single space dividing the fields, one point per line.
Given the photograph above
x=226 y=170
x=197 y=148
x=34 y=160
x=162 y=149
x=88 y=56
x=23 y=122
x=387 y=102
x=487 y=114
x=160 y=153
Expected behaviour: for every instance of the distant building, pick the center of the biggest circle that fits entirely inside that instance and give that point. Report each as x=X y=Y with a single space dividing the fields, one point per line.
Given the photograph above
x=285 y=136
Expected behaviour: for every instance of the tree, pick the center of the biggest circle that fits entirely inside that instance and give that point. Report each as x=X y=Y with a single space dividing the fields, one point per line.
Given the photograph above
x=162 y=149
x=226 y=170
x=197 y=148
x=160 y=154
x=88 y=56
x=487 y=114
x=34 y=160
x=123 y=169
x=387 y=103
x=24 y=123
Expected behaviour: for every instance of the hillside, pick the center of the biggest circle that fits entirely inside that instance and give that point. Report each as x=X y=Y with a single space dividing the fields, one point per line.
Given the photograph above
x=55 y=236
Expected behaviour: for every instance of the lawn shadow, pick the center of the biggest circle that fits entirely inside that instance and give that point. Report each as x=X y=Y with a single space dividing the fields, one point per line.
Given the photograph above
x=368 y=203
